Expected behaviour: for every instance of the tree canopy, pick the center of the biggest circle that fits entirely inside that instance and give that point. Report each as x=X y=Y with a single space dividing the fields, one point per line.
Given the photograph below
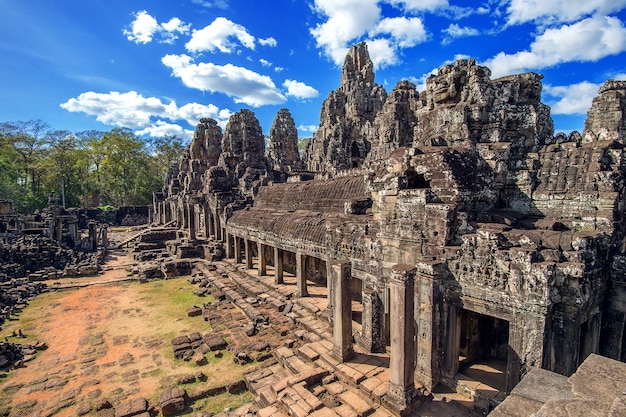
x=83 y=169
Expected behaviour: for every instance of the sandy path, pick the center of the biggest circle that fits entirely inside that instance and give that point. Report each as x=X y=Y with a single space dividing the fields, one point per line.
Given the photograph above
x=101 y=345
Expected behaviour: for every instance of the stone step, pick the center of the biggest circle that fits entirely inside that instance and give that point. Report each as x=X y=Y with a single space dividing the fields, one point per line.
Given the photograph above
x=357 y=402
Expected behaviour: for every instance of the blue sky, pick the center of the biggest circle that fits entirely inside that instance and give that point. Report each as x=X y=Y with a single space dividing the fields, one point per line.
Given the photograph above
x=156 y=67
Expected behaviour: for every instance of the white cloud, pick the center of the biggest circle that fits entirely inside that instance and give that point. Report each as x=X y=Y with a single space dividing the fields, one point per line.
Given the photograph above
x=542 y=11
x=268 y=42
x=278 y=69
x=571 y=99
x=455 y=31
x=161 y=129
x=219 y=36
x=346 y=21
x=586 y=41
x=265 y=62
x=142 y=29
x=210 y=4
x=620 y=77
x=299 y=89
x=172 y=28
x=405 y=32
x=243 y=85
x=134 y=111
x=308 y=128
x=382 y=52
x=419 y=5
x=145 y=27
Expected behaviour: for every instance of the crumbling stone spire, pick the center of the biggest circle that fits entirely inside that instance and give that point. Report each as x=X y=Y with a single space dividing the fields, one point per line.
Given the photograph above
x=341 y=142
x=357 y=67
x=606 y=119
x=282 y=154
x=206 y=144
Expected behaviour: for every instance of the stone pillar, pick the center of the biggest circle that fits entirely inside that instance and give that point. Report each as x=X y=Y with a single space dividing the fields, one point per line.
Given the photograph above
x=262 y=262
x=401 y=395
x=237 y=249
x=342 y=311
x=105 y=237
x=229 y=246
x=191 y=221
x=246 y=243
x=59 y=229
x=217 y=227
x=301 y=275
x=428 y=298
x=278 y=266
x=73 y=229
x=207 y=222
x=93 y=236
x=372 y=323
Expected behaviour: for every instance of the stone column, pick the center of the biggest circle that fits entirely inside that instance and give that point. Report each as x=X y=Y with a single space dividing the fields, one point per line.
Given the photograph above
x=342 y=311
x=229 y=246
x=207 y=222
x=372 y=323
x=401 y=395
x=428 y=298
x=210 y=225
x=73 y=229
x=301 y=275
x=246 y=243
x=93 y=235
x=237 y=249
x=59 y=229
x=262 y=262
x=191 y=221
x=278 y=266
x=217 y=227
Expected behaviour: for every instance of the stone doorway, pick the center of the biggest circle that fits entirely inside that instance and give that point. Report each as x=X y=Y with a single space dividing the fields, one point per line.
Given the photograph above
x=483 y=350
x=356 y=294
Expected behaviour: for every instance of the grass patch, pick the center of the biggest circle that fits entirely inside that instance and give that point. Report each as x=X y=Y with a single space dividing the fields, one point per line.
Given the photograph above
x=218 y=403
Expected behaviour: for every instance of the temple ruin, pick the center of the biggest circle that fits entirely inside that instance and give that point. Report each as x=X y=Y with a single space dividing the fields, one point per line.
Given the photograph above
x=443 y=227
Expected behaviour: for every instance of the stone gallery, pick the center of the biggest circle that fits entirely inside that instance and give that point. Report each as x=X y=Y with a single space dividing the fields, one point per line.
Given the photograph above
x=445 y=227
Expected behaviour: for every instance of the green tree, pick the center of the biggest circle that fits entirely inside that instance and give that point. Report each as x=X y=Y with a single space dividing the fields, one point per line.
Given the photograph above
x=125 y=169
x=61 y=166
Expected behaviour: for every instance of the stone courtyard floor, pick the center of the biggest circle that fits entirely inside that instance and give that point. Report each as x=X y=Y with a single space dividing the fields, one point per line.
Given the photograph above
x=298 y=378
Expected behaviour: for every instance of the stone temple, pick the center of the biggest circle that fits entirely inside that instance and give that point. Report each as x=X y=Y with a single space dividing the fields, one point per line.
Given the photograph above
x=444 y=227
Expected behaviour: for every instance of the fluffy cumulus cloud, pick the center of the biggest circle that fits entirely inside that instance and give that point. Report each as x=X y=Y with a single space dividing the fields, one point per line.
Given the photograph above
x=571 y=99
x=211 y=4
x=147 y=114
x=145 y=28
x=221 y=35
x=455 y=31
x=299 y=89
x=243 y=85
x=308 y=128
x=404 y=32
x=268 y=42
x=419 y=5
x=346 y=20
x=542 y=11
x=161 y=128
x=589 y=40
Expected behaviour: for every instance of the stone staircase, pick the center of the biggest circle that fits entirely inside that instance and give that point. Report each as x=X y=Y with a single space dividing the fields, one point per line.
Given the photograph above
x=304 y=378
